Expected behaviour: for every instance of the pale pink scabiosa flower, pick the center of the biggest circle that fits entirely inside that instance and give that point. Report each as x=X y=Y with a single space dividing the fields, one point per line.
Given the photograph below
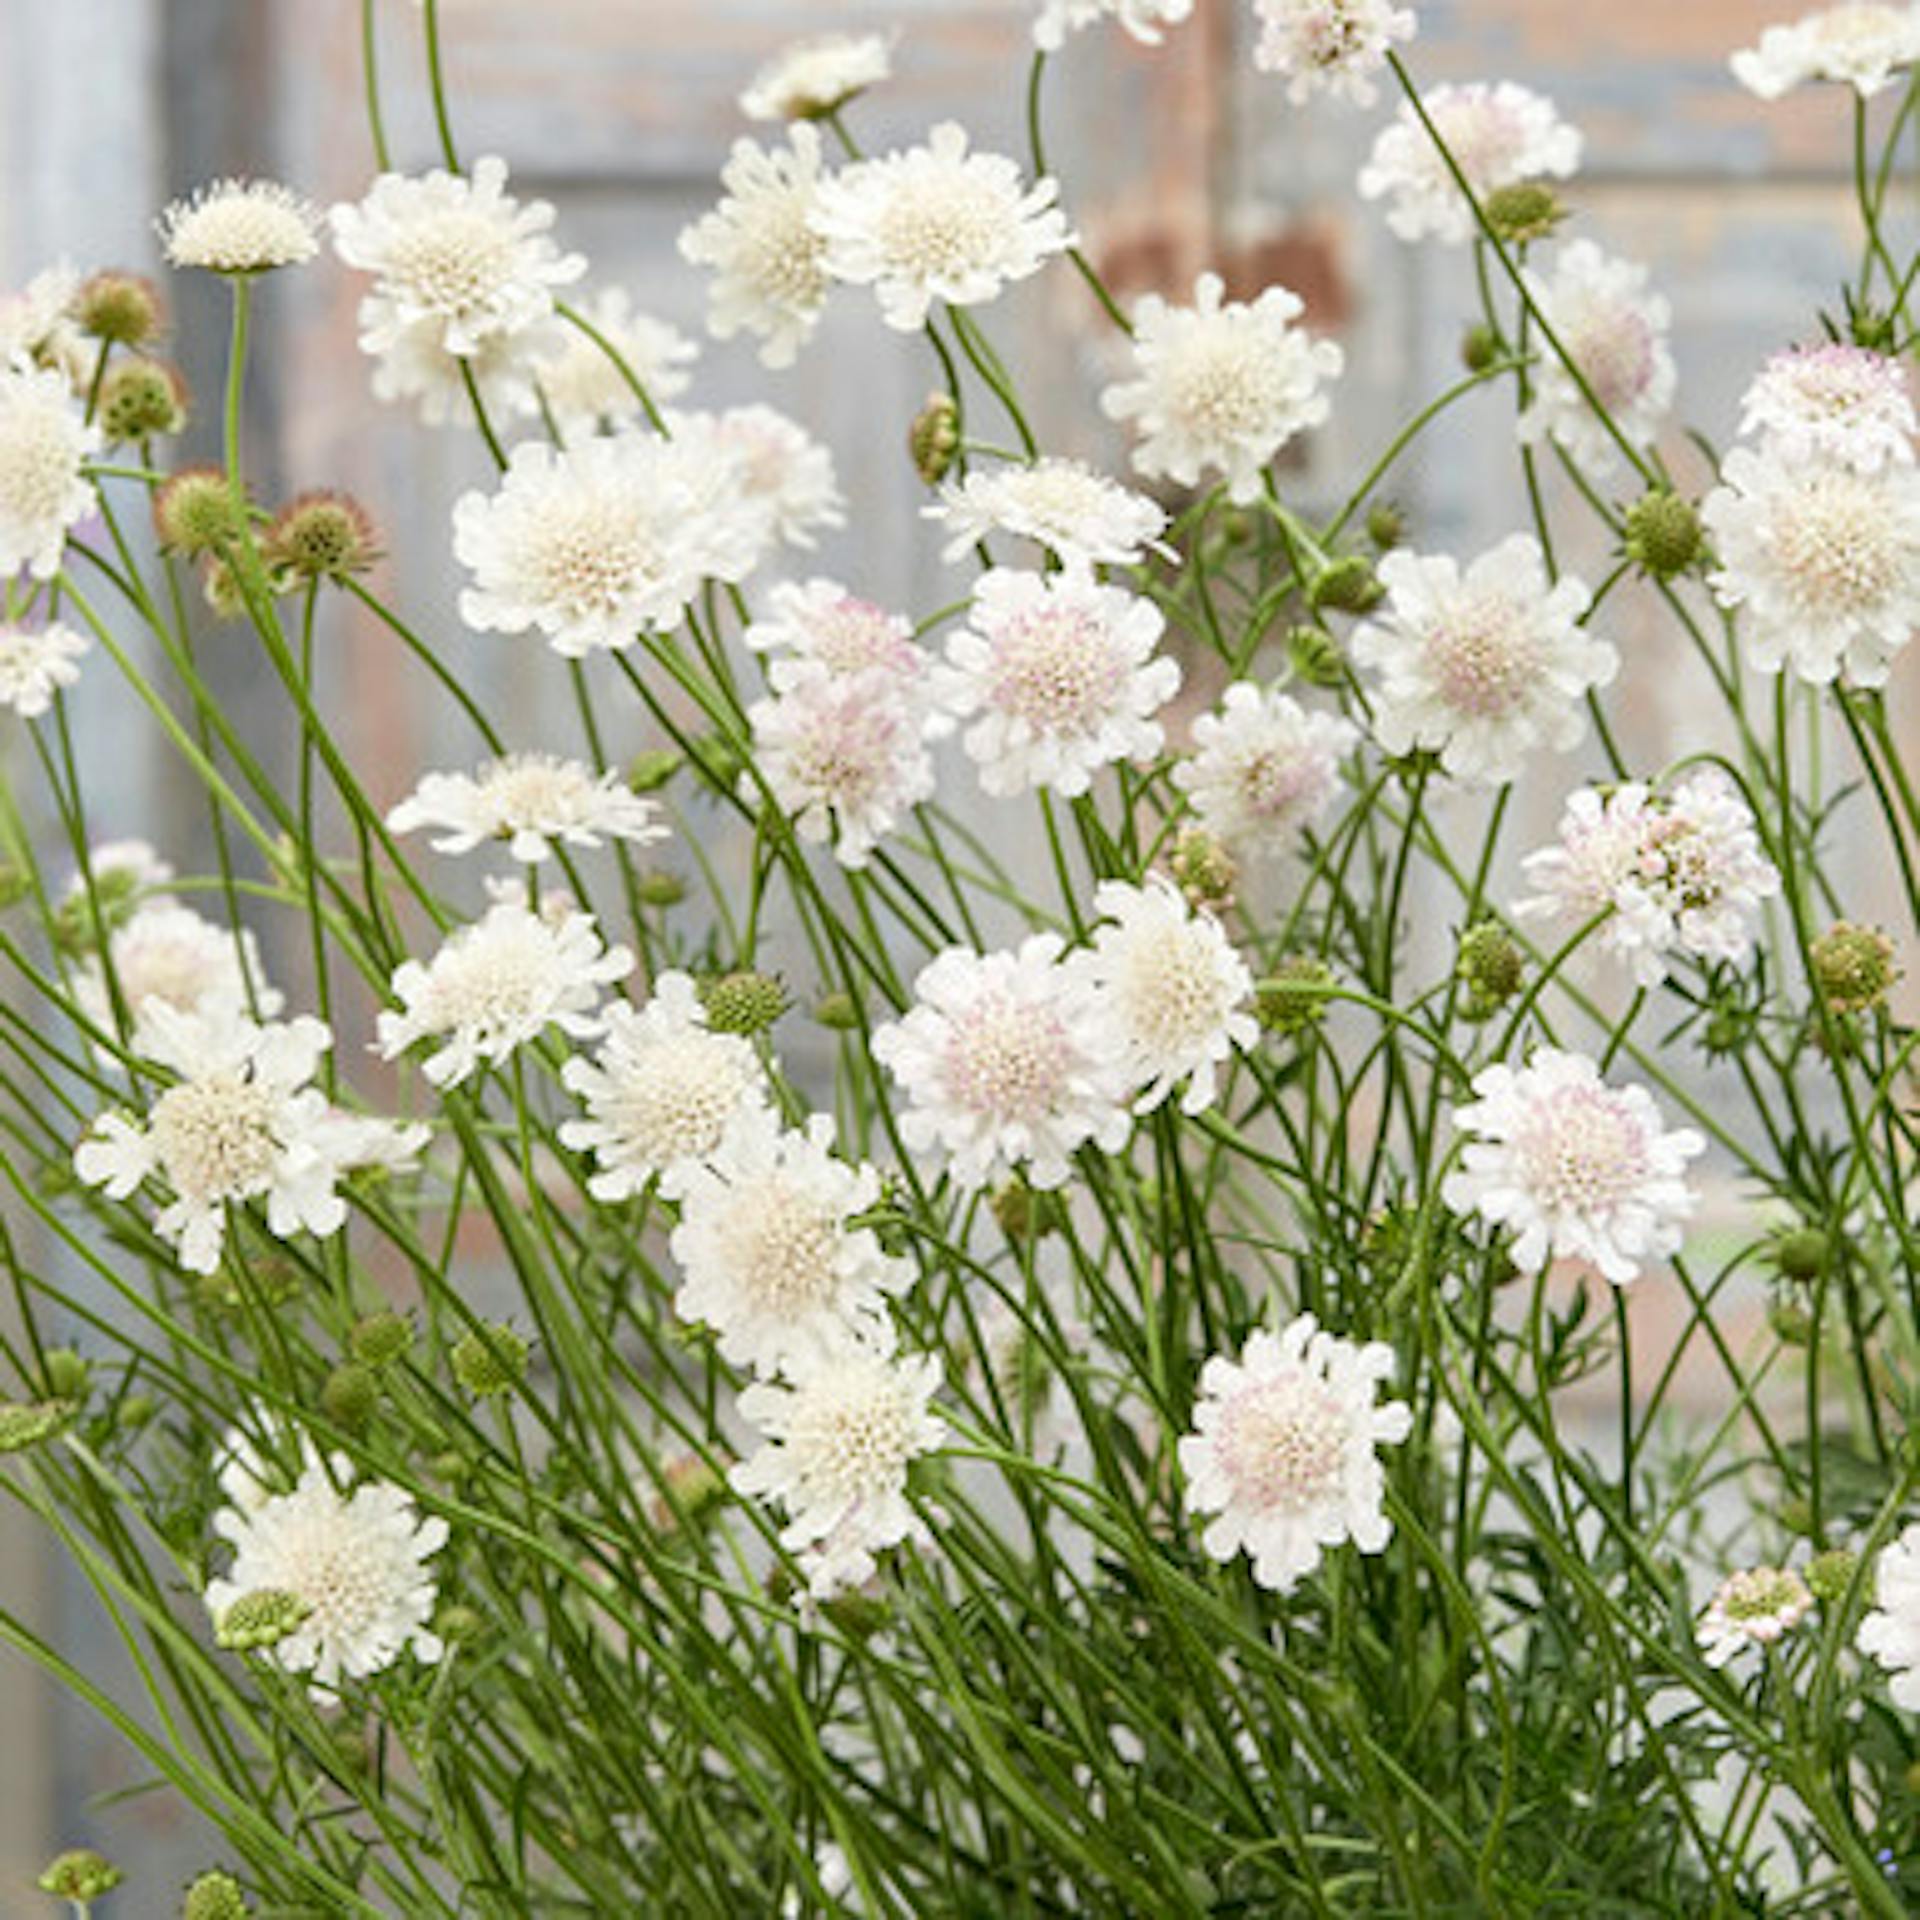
x=1143 y=20
x=768 y=1259
x=497 y=984
x=1499 y=136
x=844 y=754
x=1751 y=1608
x=584 y=386
x=1615 y=332
x=168 y=953
x=813 y=78
x=35 y=663
x=1680 y=872
x=1006 y=1060
x=937 y=223
x=357 y=1560
x=821 y=623
x=840 y=1434
x=762 y=463
x=1283 y=1451
x=1891 y=1632
x=1481 y=666
x=1262 y=768
x=1329 y=46
x=1823 y=562
x=1058 y=675
x=1062 y=505
x=240 y=227
x=1171 y=989
x=243 y=1122
x=1575 y=1169
x=767 y=258
x=1860 y=46
x=1221 y=385
x=1835 y=403
x=661 y=1093
x=532 y=801
x=44 y=439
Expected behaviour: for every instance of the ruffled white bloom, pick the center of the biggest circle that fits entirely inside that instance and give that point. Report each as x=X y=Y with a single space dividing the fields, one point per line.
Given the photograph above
x=767 y=257
x=590 y=545
x=812 y=78
x=1681 y=872
x=661 y=1093
x=242 y=1123
x=762 y=464
x=1221 y=385
x=1499 y=135
x=840 y=1435
x=123 y=868
x=357 y=1560
x=1331 y=46
x=35 y=663
x=937 y=223
x=821 y=623
x=168 y=953
x=583 y=385
x=1283 y=1451
x=845 y=755
x=457 y=260
x=1891 y=1632
x=532 y=801
x=1143 y=20
x=1483 y=666
x=1062 y=505
x=1751 y=1608
x=497 y=984
x=1059 y=677
x=1006 y=1059
x=1263 y=767
x=1615 y=332
x=1172 y=990
x=37 y=325
x=1860 y=46
x=505 y=368
x=1824 y=563
x=44 y=438
x=240 y=226
x=1574 y=1168
x=768 y=1259
x=1832 y=402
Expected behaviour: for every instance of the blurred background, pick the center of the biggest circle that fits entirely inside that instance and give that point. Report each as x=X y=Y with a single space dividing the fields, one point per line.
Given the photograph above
x=621 y=112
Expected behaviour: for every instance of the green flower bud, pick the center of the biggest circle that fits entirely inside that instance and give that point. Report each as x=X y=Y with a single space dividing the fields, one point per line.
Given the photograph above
x=744 y=1003
x=141 y=399
x=1830 y=1574
x=858 y=1615
x=1349 y=585
x=1479 y=348
x=1792 y=1323
x=1203 y=869
x=80 y=1875
x=1315 y=656
x=259 y=1619
x=934 y=438
x=31 y=1423
x=1796 y=1515
x=1294 y=1000
x=697 y=1489
x=1386 y=525
x=195 y=512
x=351 y=1395
x=67 y=1373
x=1664 y=535
x=490 y=1360
x=659 y=888
x=381 y=1338
x=214 y=1896
x=1529 y=210
x=460 y=1623
x=650 y=771
x=15 y=884
x=720 y=760
x=837 y=1012
x=1802 y=1253
x=1853 y=967
x=135 y=1411
x=125 y=308
x=1491 y=967
x=1026 y=1214
x=450 y=1467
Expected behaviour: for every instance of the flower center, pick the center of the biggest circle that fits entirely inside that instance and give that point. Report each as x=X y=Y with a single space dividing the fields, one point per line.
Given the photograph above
x=1613 y=347
x=536 y=790
x=338 y=1579
x=1583 y=1150
x=455 y=261
x=37 y=464
x=784 y=1245
x=1481 y=657
x=1056 y=668
x=848 y=1446
x=1173 y=996
x=1283 y=1444
x=846 y=754
x=1836 y=543
x=1008 y=1060
x=1273 y=783
x=853 y=634
x=936 y=229
x=1220 y=385
x=586 y=554
x=783 y=253
x=215 y=1137
x=1761 y=1593
x=675 y=1101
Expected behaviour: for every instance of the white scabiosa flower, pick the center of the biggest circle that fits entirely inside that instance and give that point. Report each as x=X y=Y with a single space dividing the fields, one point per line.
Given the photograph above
x=1062 y=505
x=243 y=1122
x=1823 y=561
x=1058 y=676
x=1329 y=46
x=1615 y=332
x=44 y=438
x=35 y=663
x=585 y=387
x=937 y=223
x=1221 y=385
x=845 y=755
x=1006 y=1060
x=1832 y=402
x=1172 y=990
x=355 y=1559
x=1859 y=46
x=240 y=226
x=497 y=984
x=505 y=369
x=813 y=78
x=1677 y=873
x=1283 y=1451
x=767 y=258
x=762 y=464
x=821 y=623
x=532 y=801
x=1263 y=767
x=122 y=870
x=166 y=952
x=1574 y=1168
x=1481 y=666
x=1143 y=20
x=1891 y=1632
x=661 y=1093
x=37 y=325
x=768 y=1259
x=1751 y=1608
x=1499 y=136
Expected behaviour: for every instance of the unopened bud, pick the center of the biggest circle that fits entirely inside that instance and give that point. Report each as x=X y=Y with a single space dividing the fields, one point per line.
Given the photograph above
x=1491 y=968
x=79 y=1875
x=490 y=1360
x=1295 y=999
x=1203 y=869
x=837 y=1012
x=381 y=1338
x=214 y=1896
x=1830 y=1574
x=1386 y=525
x=1853 y=967
x=1025 y=1213
x=1664 y=535
x=1479 y=348
x=934 y=438
x=68 y=1374
x=744 y=1003
x=350 y=1395
x=657 y=887
x=1348 y=585
x=650 y=771
x=124 y=308
x=1802 y=1254
x=1315 y=656
x=195 y=512
x=1526 y=211
x=31 y=1423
